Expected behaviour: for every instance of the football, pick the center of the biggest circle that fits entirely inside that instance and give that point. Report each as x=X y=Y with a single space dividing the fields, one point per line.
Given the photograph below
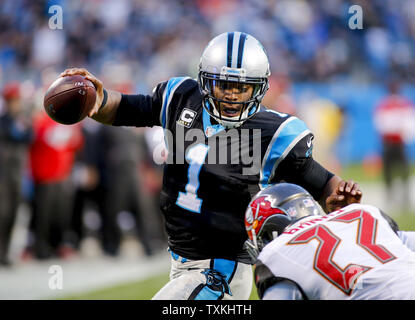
x=69 y=99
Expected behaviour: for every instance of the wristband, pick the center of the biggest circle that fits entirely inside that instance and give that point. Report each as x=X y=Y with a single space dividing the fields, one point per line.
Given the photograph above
x=104 y=101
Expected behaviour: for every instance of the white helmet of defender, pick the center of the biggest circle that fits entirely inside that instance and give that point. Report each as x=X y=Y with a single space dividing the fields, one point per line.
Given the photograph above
x=233 y=60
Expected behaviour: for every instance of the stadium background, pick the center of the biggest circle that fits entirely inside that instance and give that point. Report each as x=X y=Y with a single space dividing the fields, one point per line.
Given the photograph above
x=328 y=74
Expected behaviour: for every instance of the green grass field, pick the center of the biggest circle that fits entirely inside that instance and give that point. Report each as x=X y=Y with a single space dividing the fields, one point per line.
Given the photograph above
x=139 y=290
x=145 y=289
x=365 y=173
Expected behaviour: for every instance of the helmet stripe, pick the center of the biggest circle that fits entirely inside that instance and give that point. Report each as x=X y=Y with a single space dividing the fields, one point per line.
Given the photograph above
x=230 y=49
x=241 y=45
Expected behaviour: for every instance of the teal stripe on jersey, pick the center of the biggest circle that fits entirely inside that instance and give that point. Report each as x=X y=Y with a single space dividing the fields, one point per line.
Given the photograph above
x=285 y=138
x=171 y=86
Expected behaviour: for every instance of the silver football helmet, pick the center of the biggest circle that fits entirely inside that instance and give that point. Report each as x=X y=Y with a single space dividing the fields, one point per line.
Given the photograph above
x=233 y=62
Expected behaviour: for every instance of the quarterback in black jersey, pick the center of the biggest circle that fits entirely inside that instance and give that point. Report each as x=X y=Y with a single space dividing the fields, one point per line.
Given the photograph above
x=223 y=147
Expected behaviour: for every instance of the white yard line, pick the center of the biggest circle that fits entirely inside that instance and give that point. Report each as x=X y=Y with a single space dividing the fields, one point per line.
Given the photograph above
x=31 y=280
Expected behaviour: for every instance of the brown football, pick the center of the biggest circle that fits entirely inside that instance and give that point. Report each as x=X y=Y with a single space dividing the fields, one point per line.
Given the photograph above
x=69 y=99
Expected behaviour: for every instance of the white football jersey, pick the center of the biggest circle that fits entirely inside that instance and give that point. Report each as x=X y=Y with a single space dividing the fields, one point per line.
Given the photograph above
x=352 y=253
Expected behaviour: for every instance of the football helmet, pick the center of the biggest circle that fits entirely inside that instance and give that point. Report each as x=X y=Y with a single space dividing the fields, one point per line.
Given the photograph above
x=233 y=62
x=272 y=210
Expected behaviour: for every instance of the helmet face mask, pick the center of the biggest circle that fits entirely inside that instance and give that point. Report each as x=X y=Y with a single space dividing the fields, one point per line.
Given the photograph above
x=270 y=229
x=230 y=100
x=272 y=210
x=232 y=90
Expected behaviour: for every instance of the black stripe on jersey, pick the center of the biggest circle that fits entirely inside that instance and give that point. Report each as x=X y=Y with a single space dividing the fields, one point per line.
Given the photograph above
x=230 y=48
x=233 y=272
x=196 y=291
x=241 y=46
x=392 y=223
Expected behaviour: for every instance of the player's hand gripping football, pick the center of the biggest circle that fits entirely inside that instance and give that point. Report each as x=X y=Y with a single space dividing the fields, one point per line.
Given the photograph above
x=344 y=194
x=97 y=83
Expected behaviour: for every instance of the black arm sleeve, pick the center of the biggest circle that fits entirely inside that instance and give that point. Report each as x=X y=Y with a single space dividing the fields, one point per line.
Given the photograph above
x=300 y=168
x=140 y=110
x=314 y=178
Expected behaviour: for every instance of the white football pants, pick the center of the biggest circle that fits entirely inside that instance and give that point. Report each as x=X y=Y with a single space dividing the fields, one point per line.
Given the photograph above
x=210 y=279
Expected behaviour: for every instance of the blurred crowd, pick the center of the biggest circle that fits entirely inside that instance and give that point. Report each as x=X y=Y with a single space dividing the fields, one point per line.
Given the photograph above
x=61 y=172
x=306 y=40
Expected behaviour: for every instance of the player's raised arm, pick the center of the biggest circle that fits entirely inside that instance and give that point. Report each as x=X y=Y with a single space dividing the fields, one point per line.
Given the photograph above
x=106 y=103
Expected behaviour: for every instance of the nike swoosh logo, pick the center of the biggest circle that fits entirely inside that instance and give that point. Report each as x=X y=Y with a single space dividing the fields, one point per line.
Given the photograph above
x=309 y=142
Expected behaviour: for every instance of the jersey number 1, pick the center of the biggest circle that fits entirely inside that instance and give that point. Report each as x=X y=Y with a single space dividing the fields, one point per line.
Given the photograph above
x=195 y=157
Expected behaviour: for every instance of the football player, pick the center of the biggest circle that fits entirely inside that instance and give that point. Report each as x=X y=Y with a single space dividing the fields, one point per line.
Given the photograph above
x=207 y=188
x=356 y=252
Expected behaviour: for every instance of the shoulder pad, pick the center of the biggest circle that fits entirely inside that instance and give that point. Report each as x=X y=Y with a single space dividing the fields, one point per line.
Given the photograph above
x=185 y=84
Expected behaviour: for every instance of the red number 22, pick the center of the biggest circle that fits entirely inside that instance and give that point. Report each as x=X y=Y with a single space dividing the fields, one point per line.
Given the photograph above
x=344 y=278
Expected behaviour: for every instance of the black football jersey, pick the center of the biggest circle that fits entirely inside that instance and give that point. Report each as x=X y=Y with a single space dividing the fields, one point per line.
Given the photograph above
x=212 y=172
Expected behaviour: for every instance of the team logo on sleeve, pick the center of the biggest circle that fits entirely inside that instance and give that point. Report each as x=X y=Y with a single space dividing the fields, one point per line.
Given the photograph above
x=187 y=117
x=310 y=142
x=310 y=147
